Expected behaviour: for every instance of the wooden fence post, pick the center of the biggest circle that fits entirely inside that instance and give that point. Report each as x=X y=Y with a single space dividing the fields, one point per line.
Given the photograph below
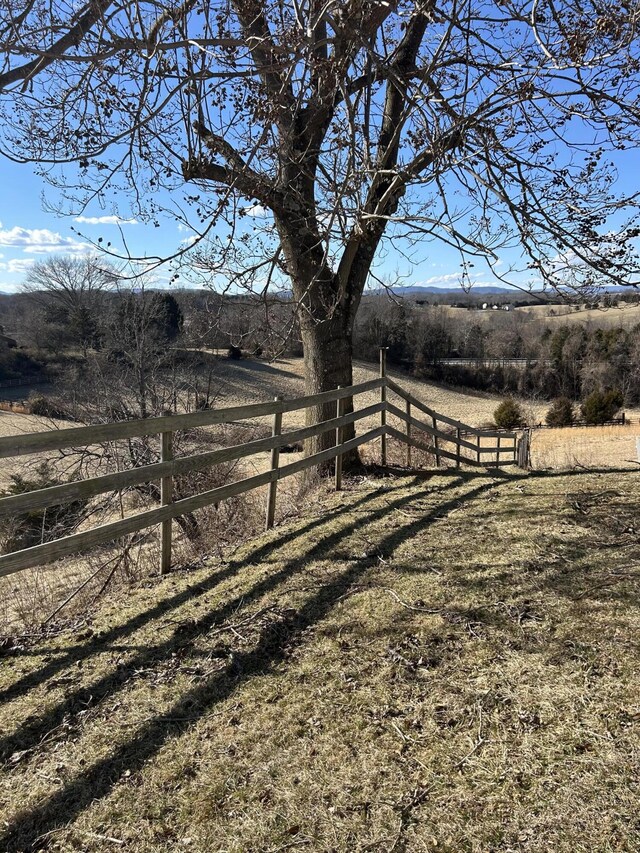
x=436 y=443
x=166 y=497
x=408 y=409
x=498 y=452
x=339 y=413
x=458 y=448
x=522 y=450
x=478 y=452
x=383 y=399
x=275 y=459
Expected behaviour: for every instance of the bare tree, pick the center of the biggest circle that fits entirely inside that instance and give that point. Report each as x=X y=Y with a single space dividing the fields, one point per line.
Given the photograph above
x=68 y=290
x=328 y=126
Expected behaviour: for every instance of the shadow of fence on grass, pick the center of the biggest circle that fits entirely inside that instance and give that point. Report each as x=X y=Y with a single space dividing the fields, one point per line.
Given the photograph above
x=271 y=648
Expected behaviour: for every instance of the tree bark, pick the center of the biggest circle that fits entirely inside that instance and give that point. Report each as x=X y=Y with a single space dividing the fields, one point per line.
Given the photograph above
x=328 y=350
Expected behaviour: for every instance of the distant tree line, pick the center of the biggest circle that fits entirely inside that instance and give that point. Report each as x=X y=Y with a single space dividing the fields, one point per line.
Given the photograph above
x=78 y=312
x=78 y=317
x=570 y=360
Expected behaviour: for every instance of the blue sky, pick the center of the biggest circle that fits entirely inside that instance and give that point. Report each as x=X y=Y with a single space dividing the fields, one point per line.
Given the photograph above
x=30 y=231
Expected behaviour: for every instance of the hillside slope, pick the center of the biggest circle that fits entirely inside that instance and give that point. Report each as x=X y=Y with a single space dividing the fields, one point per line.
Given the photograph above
x=249 y=380
x=439 y=663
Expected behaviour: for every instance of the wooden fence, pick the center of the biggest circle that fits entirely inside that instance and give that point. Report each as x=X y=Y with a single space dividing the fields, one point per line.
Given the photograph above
x=623 y=420
x=464 y=444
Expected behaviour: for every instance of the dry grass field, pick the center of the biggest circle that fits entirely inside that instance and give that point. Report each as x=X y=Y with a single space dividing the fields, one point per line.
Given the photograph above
x=625 y=316
x=437 y=664
x=250 y=381
x=586 y=447
x=16 y=424
x=590 y=447
x=28 y=598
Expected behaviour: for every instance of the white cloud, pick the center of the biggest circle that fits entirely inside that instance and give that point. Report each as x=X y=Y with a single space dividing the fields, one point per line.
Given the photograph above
x=256 y=210
x=189 y=241
x=455 y=279
x=440 y=280
x=105 y=220
x=41 y=241
x=16 y=266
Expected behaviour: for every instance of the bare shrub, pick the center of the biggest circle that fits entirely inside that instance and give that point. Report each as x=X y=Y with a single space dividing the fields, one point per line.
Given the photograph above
x=46 y=407
x=63 y=593
x=37 y=526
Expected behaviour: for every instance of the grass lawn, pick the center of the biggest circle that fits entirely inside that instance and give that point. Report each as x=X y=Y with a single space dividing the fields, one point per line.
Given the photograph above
x=448 y=662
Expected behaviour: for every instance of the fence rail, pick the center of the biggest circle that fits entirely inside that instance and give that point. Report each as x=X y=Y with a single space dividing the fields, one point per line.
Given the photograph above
x=623 y=420
x=506 y=446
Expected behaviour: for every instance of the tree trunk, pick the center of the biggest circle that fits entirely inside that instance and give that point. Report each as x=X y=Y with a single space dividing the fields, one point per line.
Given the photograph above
x=327 y=357
x=327 y=306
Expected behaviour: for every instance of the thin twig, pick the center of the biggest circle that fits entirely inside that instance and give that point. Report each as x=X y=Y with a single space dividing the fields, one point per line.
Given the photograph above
x=289 y=844
x=74 y=593
x=395 y=595
x=607 y=582
x=97 y=835
x=478 y=744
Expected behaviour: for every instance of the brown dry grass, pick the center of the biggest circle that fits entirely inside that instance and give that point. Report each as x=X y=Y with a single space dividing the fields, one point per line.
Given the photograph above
x=249 y=381
x=625 y=316
x=590 y=447
x=29 y=597
x=12 y=423
x=586 y=447
x=447 y=663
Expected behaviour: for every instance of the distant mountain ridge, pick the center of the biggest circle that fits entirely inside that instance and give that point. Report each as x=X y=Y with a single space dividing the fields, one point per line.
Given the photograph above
x=486 y=290
x=417 y=289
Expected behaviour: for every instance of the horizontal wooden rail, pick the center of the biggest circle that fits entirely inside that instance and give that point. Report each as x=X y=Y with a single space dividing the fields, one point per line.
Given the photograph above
x=397 y=389
x=165 y=470
x=83 y=489
x=496 y=449
x=401 y=436
x=39 y=555
x=406 y=395
x=436 y=433
x=18 y=445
